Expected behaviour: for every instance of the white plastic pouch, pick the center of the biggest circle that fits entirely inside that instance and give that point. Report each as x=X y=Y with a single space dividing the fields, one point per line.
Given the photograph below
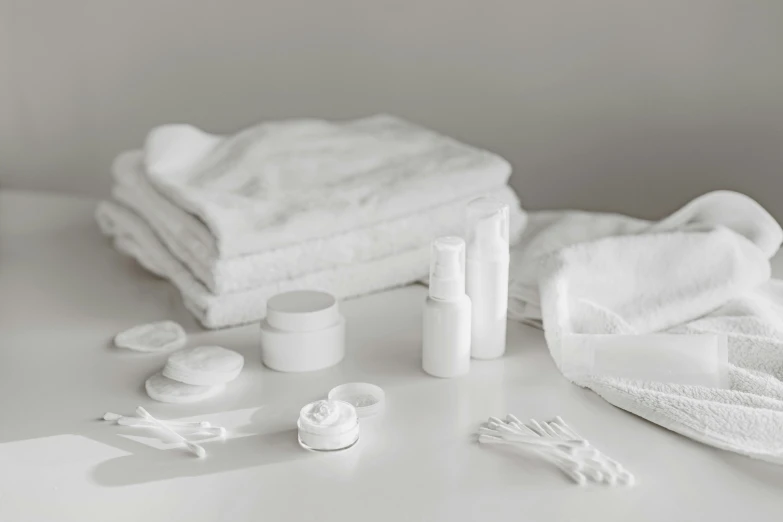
x=700 y=360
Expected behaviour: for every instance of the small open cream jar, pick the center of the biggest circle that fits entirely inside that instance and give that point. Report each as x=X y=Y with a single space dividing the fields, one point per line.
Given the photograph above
x=328 y=426
x=303 y=331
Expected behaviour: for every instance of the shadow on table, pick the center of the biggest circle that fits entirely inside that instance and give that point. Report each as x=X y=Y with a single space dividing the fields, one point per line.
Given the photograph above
x=765 y=474
x=153 y=464
x=257 y=436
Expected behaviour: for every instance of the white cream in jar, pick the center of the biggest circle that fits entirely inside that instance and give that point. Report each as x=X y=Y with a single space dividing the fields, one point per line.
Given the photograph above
x=328 y=425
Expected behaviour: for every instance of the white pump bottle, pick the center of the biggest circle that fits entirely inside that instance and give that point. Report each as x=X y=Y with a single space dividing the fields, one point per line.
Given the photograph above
x=487 y=275
x=447 y=316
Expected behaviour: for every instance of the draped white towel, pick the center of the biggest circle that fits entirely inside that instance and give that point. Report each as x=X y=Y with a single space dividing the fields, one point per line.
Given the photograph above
x=704 y=269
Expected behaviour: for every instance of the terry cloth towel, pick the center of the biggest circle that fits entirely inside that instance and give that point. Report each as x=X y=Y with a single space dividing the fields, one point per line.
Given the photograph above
x=193 y=244
x=281 y=183
x=133 y=236
x=704 y=269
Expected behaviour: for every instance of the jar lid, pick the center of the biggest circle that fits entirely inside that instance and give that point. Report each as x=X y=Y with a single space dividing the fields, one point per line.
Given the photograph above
x=302 y=311
x=368 y=399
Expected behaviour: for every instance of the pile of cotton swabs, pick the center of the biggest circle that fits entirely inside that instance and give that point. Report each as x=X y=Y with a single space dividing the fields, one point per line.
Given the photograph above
x=172 y=429
x=558 y=443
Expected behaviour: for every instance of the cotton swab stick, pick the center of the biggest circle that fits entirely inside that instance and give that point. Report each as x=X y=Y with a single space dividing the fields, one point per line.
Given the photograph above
x=551 y=455
x=535 y=426
x=551 y=432
x=512 y=430
x=560 y=432
x=557 y=455
x=572 y=447
x=510 y=435
x=566 y=428
x=109 y=416
x=604 y=469
x=133 y=422
x=572 y=468
x=514 y=419
x=567 y=446
x=589 y=453
x=571 y=434
x=623 y=475
x=517 y=424
x=194 y=448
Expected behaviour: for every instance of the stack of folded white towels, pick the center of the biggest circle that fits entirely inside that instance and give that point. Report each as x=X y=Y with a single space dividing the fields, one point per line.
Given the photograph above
x=348 y=207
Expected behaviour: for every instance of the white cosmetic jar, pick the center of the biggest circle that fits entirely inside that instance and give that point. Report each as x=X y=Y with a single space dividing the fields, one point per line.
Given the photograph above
x=328 y=426
x=303 y=332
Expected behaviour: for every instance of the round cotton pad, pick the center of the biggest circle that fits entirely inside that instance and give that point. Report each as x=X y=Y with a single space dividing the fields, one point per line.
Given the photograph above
x=204 y=365
x=164 y=389
x=153 y=337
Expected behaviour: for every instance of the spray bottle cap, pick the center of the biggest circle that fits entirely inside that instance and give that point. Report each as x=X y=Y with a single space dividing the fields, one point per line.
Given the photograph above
x=447 y=268
x=487 y=229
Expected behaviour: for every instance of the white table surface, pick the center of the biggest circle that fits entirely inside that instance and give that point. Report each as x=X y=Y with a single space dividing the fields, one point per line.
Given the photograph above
x=64 y=293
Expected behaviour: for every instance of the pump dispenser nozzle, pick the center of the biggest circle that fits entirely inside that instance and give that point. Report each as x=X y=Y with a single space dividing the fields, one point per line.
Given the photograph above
x=447 y=268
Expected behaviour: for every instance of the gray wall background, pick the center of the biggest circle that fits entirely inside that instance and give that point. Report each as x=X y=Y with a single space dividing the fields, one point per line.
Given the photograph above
x=631 y=106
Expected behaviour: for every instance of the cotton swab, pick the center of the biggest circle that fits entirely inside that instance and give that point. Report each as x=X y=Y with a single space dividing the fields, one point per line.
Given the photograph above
x=552 y=433
x=535 y=426
x=514 y=419
x=109 y=416
x=530 y=435
x=591 y=454
x=565 y=446
x=194 y=448
x=598 y=466
x=623 y=476
x=217 y=431
x=556 y=455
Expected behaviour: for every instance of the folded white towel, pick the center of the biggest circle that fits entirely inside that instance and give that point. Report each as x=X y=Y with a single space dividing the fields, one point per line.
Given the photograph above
x=194 y=245
x=704 y=269
x=134 y=237
x=280 y=183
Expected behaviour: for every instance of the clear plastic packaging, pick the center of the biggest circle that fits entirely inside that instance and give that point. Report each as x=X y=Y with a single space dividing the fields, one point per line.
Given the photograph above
x=700 y=360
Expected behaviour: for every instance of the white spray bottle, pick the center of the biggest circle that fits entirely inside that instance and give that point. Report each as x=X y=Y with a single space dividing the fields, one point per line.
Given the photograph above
x=446 y=336
x=487 y=275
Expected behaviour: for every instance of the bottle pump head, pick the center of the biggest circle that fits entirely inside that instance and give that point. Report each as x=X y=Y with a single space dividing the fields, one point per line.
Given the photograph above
x=447 y=268
x=487 y=229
